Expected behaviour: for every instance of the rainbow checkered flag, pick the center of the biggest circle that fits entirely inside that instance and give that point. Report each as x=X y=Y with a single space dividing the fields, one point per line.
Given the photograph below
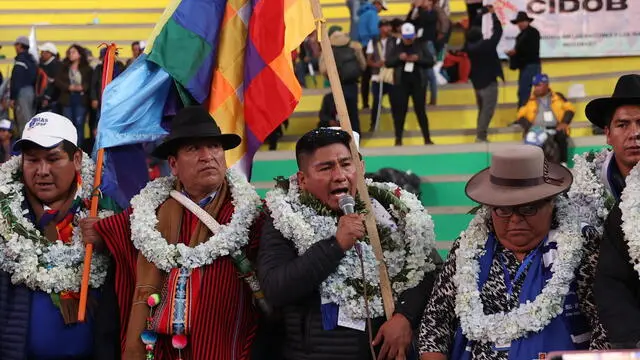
x=231 y=56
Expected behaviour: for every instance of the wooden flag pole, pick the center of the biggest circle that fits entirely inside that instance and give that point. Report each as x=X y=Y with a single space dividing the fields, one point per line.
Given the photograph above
x=107 y=76
x=345 y=123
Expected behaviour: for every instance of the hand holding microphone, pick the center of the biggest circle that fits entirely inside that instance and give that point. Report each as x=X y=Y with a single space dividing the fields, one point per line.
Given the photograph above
x=350 y=226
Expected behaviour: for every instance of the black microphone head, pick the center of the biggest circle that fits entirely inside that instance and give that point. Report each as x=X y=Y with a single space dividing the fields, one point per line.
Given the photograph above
x=347 y=204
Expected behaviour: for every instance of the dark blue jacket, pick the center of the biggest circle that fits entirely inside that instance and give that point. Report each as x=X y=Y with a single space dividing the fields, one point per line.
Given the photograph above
x=25 y=71
x=485 y=63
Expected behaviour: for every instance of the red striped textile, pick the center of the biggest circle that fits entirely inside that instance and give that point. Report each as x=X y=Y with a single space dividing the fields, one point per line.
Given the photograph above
x=225 y=319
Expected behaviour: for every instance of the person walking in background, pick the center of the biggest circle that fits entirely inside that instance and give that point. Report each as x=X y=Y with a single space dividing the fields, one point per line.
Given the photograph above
x=354 y=18
x=23 y=83
x=308 y=56
x=425 y=19
x=381 y=76
x=409 y=59
x=51 y=65
x=368 y=30
x=350 y=62
x=525 y=56
x=74 y=83
x=485 y=70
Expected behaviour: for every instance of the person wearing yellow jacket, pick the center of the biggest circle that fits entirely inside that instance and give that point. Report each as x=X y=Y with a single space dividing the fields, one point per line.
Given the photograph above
x=548 y=109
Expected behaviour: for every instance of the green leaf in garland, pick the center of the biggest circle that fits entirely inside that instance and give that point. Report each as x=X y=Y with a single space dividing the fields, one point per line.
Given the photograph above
x=387 y=199
x=282 y=183
x=55 y=298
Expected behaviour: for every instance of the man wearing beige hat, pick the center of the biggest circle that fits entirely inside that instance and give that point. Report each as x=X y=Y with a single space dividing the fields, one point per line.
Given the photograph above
x=509 y=289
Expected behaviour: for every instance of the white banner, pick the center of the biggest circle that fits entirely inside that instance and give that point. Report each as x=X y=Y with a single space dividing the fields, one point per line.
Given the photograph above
x=574 y=28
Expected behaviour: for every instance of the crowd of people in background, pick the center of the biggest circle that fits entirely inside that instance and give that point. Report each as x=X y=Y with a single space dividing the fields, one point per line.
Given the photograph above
x=402 y=58
x=69 y=84
x=411 y=57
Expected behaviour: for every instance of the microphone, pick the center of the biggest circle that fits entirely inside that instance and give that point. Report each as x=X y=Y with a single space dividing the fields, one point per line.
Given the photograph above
x=347 y=204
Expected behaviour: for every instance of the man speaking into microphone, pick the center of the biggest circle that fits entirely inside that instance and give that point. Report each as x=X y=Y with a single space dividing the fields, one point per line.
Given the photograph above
x=317 y=267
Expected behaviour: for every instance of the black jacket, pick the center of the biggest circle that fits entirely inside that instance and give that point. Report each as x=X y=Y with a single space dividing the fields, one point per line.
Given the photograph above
x=24 y=73
x=52 y=69
x=96 y=79
x=290 y=283
x=426 y=22
x=485 y=63
x=392 y=60
x=617 y=286
x=527 y=48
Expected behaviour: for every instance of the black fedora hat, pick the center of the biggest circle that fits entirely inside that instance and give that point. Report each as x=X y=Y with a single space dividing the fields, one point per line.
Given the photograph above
x=522 y=16
x=627 y=92
x=194 y=122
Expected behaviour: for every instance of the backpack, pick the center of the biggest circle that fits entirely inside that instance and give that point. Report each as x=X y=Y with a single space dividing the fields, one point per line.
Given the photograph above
x=347 y=63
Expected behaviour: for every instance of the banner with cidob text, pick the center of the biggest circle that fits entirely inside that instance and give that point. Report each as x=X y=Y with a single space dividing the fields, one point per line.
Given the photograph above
x=574 y=28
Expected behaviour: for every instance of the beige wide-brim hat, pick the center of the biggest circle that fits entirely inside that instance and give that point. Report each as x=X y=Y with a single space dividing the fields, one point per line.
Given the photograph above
x=518 y=175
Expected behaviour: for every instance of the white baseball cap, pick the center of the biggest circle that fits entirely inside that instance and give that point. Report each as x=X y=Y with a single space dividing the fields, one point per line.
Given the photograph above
x=5 y=124
x=50 y=47
x=408 y=30
x=356 y=136
x=48 y=129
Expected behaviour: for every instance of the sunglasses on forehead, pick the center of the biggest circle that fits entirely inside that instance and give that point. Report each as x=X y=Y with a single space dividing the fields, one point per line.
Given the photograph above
x=525 y=210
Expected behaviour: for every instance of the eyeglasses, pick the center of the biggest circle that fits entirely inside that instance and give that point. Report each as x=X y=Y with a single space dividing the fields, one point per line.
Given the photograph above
x=523 y=210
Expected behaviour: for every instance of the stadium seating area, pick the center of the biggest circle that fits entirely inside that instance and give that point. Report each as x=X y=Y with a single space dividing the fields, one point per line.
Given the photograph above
x=443 y=168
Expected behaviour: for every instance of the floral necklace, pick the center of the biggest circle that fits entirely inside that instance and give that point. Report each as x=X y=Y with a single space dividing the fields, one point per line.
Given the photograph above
x=406 y=232
x=630 y=208
x=31 y=259
x=530 y=317
x=588 y=193
x=230 y=238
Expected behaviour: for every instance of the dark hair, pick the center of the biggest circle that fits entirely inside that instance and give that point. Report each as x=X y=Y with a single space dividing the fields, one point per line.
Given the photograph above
x=84 y=62
x=319 y=138
x=67 y=147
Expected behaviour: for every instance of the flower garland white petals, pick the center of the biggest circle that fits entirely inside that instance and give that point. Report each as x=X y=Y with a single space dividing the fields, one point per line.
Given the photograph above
x=414 y=238
x=32 y=260
x=630 y=208
x=231 y=237
x=588 y=192
x=530 y=317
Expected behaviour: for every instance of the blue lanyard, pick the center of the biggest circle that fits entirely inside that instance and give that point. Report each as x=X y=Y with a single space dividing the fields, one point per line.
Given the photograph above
x=508 y=282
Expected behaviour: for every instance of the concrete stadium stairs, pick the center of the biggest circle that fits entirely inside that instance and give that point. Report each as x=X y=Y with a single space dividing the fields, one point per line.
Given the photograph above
x=444 y=168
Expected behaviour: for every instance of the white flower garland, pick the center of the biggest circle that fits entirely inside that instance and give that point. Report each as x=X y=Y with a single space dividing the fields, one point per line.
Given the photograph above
x=413 y=235
x=230 y=238
x=630 y=208
x=34 y=261
x=588 y=192
x=530 y=317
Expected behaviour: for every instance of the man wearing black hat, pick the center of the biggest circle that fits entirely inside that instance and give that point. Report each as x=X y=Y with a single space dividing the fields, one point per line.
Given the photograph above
x=181 y=289
x=617 y=285
x=525 y=56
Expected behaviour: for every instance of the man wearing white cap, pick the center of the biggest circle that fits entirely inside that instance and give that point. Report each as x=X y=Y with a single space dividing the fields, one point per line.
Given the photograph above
x=409 y=60
x=6 y=141
x=23 y=82
x=50 y=63
x=44 y=196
